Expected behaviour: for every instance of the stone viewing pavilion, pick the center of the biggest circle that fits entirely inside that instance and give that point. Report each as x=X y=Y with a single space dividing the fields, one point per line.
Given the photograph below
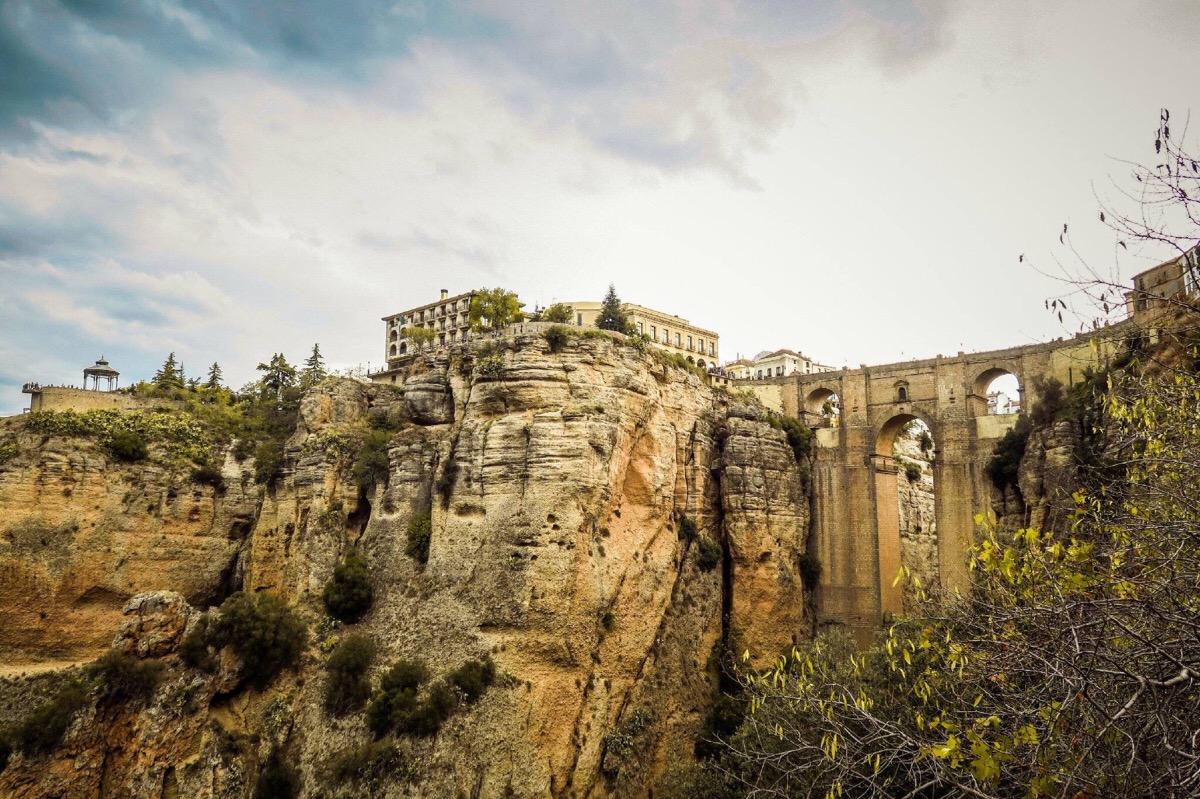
x=98 y=371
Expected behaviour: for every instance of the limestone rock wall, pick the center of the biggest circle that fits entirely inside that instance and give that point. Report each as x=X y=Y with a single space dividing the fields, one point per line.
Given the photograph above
x=555 y=487
x=918 y=521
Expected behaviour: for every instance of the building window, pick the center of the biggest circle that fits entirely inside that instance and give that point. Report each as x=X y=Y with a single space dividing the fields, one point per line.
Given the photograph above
x=678 y=338
x=779 y=371
x=700 y=344
x=902 y=394
x=579 y=320
x=653 y=333
x=640 y=330
x=712 y=348
x=760 y=374
x=690 y=342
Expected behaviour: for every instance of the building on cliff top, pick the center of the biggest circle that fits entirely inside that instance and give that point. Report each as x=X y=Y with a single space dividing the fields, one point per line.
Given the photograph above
x=671 y=333
x=447 y=318
x=1159 y=286
x=777 y=363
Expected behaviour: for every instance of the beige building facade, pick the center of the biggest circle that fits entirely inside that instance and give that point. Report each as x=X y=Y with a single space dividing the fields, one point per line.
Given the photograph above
x=447 y=318
x=782 y=363
x=1158 y=286
x=671 y=333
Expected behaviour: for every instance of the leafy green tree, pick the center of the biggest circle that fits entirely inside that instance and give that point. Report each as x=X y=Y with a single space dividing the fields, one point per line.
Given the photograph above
x=493 y=309
x=612 y=315
x=278 y=376
x=262 y=630
x=314 y=369
x=421 y=337
x=559 y=313
x=169 y=375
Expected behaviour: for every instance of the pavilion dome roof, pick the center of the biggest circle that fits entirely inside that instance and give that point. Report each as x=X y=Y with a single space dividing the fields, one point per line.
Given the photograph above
x=101 y=368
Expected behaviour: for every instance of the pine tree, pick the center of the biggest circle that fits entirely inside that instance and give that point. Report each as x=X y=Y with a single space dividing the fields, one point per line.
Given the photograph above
x=612 y=316
x=314 y=369
x=278 y=375
x=170 y=376
x=214 y=376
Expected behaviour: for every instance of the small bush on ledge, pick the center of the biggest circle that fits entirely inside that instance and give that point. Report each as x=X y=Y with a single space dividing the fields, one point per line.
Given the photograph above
x=557 y=337
x=419 y=537
x=348 y=595
x=349 y=683
x=708 y=554
x=129 y=447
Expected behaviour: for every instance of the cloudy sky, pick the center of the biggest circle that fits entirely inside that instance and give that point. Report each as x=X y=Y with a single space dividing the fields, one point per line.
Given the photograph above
x=851 y=178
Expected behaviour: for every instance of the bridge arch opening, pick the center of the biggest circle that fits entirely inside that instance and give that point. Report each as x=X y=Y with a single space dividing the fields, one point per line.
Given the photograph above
x=822 y=408
x=906 y=519
x=996 y=392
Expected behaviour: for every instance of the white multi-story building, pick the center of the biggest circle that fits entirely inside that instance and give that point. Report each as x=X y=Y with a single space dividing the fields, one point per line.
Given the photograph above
x=781 y=363
x=447 y=318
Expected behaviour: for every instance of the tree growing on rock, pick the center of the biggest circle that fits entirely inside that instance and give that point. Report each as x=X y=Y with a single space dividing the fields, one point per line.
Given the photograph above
x=612 y=315
x=493 y=310
x=314 y=369
x=278 y=376
x=170 y=375
x=421 y=337
x=559 y=313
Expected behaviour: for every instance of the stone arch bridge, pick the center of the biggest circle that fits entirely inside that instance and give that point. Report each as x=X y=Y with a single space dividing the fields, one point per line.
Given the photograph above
x=856 y=525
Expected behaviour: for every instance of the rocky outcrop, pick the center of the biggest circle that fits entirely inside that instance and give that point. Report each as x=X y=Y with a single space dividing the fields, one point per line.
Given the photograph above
x=556 y=488
x=918 y=521
x=1049 y=473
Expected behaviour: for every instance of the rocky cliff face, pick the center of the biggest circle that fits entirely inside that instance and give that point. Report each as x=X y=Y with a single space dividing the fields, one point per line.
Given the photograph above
x=557 y=485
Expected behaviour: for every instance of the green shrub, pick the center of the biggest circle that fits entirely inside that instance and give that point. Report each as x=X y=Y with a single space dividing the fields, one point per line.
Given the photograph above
x=194 y=649
x=925 y=442
x=371 y=464
x=419 y=537
x=129 y=447
x=708 y=554
x=43 y=729
x=348 y=594
x=243 y=449
x=620 y=742
x=268 y=460
x=277 y=779
x=395 y=703
x=1004 y=466
x=608 y=620
x=912 y=471
x=8 y=451
x=260 y=628
x=687 y=529
x=381 y=419
x=370 y=764
x=557 y=337
x=490 y=367
x=348 y=686
x=125 y=679
x=473 y=678
x=810 y=570
x=430 y=713
x=799 y=437
x=207 y=474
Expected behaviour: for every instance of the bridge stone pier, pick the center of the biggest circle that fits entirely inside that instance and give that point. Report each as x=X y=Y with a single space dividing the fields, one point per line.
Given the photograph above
x=856 y=524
